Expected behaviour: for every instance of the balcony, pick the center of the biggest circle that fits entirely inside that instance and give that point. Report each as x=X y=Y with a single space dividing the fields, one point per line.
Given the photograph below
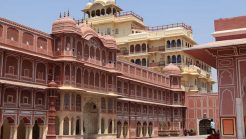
x=129 y=13
x=156 y=49
x=157 y=64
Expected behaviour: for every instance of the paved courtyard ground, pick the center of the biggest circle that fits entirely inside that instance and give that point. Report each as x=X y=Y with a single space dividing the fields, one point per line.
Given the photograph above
x=185 y=137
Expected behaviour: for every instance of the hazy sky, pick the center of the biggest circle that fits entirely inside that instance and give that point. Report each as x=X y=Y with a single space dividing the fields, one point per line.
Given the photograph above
x=200 y=14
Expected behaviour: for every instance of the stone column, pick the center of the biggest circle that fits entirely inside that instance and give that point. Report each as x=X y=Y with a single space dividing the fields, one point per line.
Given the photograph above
x=240 y=119
x=74 y=126
x=13 y=131
x=106 y=125
x=81 y=126
x=28 y=131
x=42 y=131
x=61 y=126
x=51 y=134
x=69 y=126
x=99 y=124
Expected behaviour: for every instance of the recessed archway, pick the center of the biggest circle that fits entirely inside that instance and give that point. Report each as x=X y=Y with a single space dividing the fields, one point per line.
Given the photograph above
x=90 y=118
x=204 y=125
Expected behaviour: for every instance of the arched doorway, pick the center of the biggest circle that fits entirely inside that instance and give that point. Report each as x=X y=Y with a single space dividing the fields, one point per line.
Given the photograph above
x=21 y=131
x=118 y=129
x=144 y=129
x=35 y=131
x=150 y=129
x=5 y=130
x=90 y=119
x=138 y=130
x=125 y=129
x=204 y=125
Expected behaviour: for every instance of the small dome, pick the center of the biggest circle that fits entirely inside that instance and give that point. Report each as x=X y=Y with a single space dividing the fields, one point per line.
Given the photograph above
x=87 y=32
x=89 y=4
x=64 y=24
x=172 y=69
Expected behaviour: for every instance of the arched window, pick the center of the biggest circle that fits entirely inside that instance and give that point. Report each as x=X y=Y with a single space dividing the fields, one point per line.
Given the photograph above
x=144 y=47
x=137 y=48
x=179 y=43
x=102 y=12
x=27 y=69
x=27 y=38
x=66 y=126
x=144 y=62
x=179 y=59
x=138 y=62
x=12 y=34
x=11 y=66
x=93 y=14
x=173 y=44
x=42 y=43
x=132 y=61
x=132 y=49
x=26 y=97
x=98 y=12
x=57 y=73
x=41 y=71
x=109 y=10
x=168 y=44
x=174 y=60
x=103 y=104
x=58 y=44
x=168 y=59
x=150 y=129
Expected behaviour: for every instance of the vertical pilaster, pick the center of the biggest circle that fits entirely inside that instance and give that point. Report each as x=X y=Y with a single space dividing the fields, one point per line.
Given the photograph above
x=13 y=131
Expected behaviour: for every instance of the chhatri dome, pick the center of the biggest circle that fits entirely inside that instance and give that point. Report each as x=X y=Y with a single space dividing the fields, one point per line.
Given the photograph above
x=172 y=69
x=105 y=1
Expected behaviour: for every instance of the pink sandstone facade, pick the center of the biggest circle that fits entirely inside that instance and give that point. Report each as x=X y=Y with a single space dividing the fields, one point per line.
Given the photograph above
x=69 y=84
x=227 y=54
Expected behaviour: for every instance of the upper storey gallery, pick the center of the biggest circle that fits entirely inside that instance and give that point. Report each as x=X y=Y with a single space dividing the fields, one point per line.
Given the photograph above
x=69 y=41
x=34 y=56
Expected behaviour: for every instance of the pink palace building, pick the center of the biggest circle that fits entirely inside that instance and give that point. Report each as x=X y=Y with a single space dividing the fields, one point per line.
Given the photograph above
x=69 y=84
x=228 y=55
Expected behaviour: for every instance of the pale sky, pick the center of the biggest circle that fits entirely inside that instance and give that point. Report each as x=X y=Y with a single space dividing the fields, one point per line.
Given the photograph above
x=200 y=14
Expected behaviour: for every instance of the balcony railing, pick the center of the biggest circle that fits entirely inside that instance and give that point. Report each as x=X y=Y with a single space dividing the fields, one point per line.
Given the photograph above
x=161 y=63
x=127 y=13
x=164 y=27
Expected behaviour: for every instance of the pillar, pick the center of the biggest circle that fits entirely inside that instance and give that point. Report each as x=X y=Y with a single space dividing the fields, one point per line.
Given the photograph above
x=42 y=131
x=13 y=131
x=69 y=126
x=29 y=131
x=61 y=126
x=240 y=119
x=81 y=126
x=51 y=134
x=106 y=125
x=99 y=124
